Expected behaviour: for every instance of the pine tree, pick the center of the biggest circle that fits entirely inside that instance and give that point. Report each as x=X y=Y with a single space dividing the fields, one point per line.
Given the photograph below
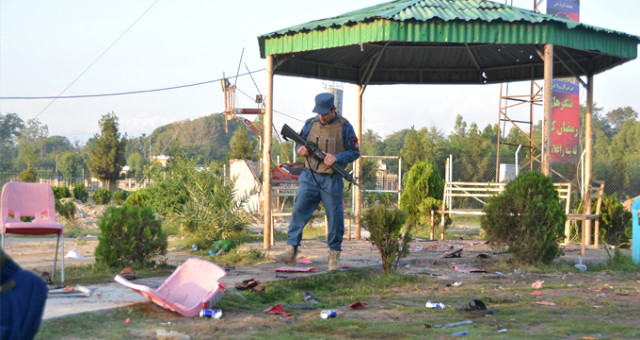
x=241 y=146
x=107 y=151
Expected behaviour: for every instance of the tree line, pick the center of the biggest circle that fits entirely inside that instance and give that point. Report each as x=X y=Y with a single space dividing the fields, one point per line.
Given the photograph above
x=24 y=145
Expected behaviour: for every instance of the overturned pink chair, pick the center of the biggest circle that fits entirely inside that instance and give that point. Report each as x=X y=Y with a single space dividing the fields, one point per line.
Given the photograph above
x=192 y=286
x=33 y=200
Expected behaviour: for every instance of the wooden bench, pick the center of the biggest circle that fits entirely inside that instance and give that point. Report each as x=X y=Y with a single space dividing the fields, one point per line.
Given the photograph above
x=594 y=191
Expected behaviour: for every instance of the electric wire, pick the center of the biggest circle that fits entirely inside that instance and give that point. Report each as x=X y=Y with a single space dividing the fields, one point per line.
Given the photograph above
x=118 y=93
x=98 y=58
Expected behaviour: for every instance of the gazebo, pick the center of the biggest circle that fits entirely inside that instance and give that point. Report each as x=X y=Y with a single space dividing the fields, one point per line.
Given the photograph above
x=440 y=42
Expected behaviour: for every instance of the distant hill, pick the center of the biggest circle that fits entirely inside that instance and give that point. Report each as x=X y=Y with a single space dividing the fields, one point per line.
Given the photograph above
x=204 y=137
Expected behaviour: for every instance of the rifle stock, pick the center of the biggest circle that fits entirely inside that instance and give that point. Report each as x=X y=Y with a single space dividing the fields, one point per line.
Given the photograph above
x=316 y=153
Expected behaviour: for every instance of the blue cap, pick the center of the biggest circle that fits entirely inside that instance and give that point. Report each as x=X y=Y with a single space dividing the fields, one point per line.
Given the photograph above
x=324 y=103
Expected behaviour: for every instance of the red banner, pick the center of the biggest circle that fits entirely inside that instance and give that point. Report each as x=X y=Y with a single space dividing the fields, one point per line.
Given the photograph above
x=566 y=9
x=565 y=123
x=565 y=115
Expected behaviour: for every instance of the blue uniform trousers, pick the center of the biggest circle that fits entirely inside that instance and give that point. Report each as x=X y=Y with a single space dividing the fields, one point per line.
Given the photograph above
x=329 y=190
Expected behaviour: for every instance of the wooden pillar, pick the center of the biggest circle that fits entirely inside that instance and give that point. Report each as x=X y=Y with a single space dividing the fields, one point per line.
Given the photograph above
x=588 y=141
x=266 y=156
x=548 y=101
x=358 y=167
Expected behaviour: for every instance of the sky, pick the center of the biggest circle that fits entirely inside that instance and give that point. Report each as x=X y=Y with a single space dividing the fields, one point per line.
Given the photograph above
x=79 y=47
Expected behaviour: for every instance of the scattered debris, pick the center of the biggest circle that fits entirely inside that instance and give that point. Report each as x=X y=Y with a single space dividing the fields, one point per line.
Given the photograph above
x=299 y=306
x=70 y=291
x=454 y=324
x=503 y=330
x=291 y=269
x=358 y=305
x=46 y=277
x=537 y=292
x=477 y=307
x=304 y=261
x=579 y=265
x=484 y=255
x=545 y=303
x=309 y=297
x=537 y=284
x=73 y=254
x=465 y=332
x=128 y=274
x=437 y=305
x=251 y=283
x=452 y=253
x=463 y=268
x=277 y=309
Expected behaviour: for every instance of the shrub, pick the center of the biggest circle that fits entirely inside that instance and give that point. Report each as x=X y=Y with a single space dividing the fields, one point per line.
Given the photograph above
x=80 y=193
x=129 y=235
x=119 y=197
x=66 y=209
x=527 y=217
x=211 y=212
x=139 y=198
x=615 y=221
x=61 y=192
x=27 y=175
x=385 y=226
x=199 y=203
x=102 y=196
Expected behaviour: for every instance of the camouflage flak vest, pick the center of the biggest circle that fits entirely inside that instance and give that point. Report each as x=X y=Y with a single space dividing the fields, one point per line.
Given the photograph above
x=329 y=139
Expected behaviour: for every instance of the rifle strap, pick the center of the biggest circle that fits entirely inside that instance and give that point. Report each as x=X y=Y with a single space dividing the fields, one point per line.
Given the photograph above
x=313 y=175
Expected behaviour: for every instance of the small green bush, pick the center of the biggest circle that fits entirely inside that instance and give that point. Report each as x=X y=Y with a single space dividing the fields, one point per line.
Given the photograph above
x=119 y=197
x=385 y=227
x=80 y=193
x=61 y=192
x=129 y=235
x=527 y=217
x=102 y=196
x=66 y=209
x=139 y=198
x=27 y=175
x=615 y=221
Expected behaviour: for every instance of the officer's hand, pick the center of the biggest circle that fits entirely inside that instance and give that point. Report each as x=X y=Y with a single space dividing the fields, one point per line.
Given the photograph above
x=329 y=159
x=302 y=151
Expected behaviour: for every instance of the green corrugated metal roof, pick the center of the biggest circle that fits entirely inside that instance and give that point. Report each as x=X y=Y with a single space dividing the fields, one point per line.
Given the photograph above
x=469 y=26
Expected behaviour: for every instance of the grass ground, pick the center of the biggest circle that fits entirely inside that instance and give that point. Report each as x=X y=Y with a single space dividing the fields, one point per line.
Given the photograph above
x=592 y=305
x=597 y=304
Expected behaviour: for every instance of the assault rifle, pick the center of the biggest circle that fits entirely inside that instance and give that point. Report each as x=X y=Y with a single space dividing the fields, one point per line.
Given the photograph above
x=315 y=152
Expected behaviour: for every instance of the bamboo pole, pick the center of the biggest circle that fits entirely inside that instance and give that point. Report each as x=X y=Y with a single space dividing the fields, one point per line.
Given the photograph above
x=266 y=156
x=548 y=79
x=587 y=160
x=358 y=167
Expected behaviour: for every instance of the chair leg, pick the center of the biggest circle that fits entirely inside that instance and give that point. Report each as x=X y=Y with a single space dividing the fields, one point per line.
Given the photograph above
x=55 y=259
x=62 y=271
x=2 y=241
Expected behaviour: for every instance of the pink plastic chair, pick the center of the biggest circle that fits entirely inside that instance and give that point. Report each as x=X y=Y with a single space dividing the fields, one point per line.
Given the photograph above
x=31 y=200
x=192 y=286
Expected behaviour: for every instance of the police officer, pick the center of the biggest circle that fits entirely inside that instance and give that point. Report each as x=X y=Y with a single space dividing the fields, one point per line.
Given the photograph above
x=335 y=136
